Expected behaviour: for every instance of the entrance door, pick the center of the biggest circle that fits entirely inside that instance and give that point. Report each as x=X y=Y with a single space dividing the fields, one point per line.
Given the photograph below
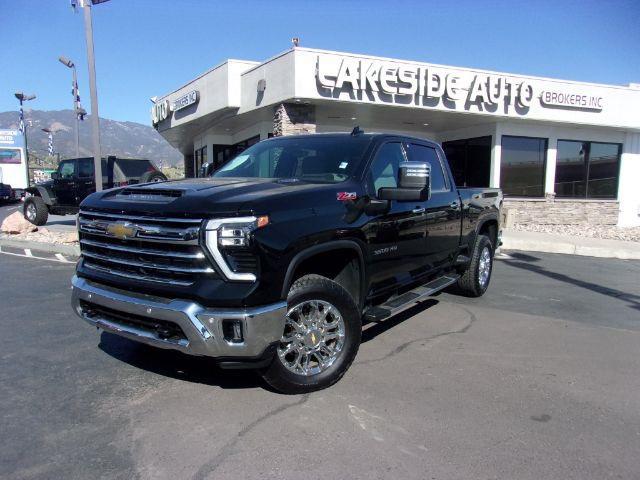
x=470 y=161
x=395 y=240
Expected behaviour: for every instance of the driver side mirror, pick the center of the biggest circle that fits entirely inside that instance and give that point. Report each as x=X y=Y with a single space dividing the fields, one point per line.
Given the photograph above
x=414 y=183
x=55 y=176
x=206 y=169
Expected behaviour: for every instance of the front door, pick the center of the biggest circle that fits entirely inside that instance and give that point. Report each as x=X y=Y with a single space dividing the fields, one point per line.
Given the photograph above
x=395 y=240
x=64 y=186
x=443 y=210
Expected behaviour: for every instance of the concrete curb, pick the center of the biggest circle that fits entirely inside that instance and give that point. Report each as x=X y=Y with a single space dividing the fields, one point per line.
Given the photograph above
x=589 y=247
x=70 y=250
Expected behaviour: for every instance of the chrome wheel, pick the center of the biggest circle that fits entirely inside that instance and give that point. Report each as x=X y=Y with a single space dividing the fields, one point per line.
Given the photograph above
x=313 y=337
x=31 y=212
x=484 y=267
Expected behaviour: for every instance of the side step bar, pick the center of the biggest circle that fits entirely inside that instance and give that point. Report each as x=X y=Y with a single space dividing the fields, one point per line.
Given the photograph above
x=398 y=304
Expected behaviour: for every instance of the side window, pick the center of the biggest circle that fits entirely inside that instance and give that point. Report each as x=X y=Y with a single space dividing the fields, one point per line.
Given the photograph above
x=67 y=169
x=85 y=167
x=384 y=167
x=420 y=153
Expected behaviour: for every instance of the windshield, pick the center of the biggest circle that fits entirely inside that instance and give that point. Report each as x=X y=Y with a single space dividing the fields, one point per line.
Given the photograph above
x=320 y=159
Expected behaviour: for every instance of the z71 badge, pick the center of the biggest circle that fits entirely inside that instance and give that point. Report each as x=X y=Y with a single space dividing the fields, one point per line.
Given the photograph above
x=346 y=196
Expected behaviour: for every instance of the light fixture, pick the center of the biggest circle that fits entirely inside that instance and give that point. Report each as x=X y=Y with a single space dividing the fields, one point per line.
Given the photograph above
x=425 y=124
x=354 y=118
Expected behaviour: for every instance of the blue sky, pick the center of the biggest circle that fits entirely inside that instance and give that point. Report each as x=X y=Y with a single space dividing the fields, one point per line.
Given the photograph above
x=149 y=47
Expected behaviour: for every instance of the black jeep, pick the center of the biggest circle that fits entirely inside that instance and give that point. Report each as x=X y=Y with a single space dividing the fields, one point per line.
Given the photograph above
x=75 y=180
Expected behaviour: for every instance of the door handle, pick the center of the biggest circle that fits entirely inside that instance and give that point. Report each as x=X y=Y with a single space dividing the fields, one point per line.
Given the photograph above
x=418 y=210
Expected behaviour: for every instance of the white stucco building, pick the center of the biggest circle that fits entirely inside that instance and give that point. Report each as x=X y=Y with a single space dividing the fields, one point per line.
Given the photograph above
x=562 y=151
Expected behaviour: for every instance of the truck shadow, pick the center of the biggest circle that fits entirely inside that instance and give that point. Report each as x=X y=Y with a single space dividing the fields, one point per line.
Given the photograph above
x=177 y=365
x=372 y=330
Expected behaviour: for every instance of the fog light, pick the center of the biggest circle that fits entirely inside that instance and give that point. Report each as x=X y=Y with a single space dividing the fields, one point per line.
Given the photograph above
x=232 y=331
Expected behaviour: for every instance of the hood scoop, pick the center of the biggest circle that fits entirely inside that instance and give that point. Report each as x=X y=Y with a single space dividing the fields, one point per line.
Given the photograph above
x=148 y=195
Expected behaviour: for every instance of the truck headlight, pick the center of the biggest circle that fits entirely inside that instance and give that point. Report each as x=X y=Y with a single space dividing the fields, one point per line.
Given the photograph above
x=231 y=233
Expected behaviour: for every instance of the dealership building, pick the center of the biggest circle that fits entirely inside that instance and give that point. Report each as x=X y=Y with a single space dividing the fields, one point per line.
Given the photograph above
x=563 y=152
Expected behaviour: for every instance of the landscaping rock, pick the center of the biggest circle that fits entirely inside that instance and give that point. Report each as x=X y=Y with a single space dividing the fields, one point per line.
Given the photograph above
x=16 y=224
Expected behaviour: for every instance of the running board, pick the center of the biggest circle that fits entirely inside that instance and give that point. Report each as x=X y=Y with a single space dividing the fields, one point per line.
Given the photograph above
x=410 y=298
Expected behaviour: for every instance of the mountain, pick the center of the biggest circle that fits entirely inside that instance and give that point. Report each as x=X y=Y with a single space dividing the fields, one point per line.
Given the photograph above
x=126 y=139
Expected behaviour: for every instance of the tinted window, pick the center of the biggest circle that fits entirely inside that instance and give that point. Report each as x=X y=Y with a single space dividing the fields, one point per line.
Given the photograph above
x=470 y=161
x=67 y=168
x=320 y=159
x=420 y=153
x=85 y=168
x=603 y=170
x=522 y=166
x=587 y=169
x=385 y=165
x=134 y=168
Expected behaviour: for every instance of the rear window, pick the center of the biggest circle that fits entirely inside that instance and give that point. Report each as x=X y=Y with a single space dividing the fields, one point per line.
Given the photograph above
x=134 y=168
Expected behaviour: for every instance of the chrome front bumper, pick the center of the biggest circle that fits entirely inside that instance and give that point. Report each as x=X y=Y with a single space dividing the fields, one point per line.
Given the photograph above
x=202 y=327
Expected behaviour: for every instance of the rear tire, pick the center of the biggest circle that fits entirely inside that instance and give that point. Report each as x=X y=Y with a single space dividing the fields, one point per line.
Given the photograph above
x=154 y=177
x=323 y=332
x=36 y=211
x=475 y=280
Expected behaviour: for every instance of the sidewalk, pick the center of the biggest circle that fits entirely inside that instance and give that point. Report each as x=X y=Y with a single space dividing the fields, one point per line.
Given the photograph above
x=590 y=247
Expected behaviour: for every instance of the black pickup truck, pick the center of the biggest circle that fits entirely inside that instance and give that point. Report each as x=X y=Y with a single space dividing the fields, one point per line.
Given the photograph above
x=276 y=260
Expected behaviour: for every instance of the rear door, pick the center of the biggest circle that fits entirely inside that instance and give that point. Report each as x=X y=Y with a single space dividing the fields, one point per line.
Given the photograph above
x=442 y=219
x=86 y=179
x=395 y=240
x=64 y=187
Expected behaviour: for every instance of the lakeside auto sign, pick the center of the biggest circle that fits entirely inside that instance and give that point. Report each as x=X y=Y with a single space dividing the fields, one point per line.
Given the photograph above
x=162 y=110
x=398 y=82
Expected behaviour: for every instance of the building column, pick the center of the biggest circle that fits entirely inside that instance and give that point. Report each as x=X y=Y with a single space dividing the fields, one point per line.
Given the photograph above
x=550 y=167
x=628 y=188
x=293 y=119
x=496 y=156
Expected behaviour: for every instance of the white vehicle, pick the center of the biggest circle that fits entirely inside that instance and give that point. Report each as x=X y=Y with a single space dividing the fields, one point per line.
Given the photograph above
x=13 y=163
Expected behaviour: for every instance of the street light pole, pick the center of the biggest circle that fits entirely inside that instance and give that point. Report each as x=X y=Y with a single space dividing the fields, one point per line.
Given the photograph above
x=95 y=119
x=68 y=63
x=23 y=126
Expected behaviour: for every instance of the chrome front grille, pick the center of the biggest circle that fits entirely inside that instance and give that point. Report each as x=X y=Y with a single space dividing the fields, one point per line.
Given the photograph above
x=148 y=249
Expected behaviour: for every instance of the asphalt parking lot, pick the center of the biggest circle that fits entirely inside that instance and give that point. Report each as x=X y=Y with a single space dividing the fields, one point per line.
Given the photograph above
x=55 y=222
x=536 y=380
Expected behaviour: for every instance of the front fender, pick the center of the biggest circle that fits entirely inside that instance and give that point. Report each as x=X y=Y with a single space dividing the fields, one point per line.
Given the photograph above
x=42 y=192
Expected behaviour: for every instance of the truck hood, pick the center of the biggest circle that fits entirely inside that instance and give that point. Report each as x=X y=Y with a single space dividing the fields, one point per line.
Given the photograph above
x=206 y=197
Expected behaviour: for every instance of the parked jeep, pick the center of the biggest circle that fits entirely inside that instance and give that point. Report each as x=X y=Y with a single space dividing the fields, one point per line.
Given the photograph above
x=277 y=260
x=74 y=180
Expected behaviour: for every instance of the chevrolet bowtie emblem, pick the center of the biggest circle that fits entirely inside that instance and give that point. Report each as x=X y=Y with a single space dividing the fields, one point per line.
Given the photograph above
x=122 y=230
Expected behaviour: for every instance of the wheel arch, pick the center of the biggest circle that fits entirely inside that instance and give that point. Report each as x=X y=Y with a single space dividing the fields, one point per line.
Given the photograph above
x=306 y=258
x=489 y=226
x=41 y=192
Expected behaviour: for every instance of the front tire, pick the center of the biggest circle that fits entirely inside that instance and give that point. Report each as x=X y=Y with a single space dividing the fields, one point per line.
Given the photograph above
x=475 y=280
x=36 y=211
x=321 y=337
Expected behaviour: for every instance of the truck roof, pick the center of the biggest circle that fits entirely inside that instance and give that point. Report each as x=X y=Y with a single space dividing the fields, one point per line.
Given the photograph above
x=372 y=135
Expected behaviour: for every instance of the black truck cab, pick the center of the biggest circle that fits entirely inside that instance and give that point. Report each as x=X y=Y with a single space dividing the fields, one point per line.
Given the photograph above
x=277 y=259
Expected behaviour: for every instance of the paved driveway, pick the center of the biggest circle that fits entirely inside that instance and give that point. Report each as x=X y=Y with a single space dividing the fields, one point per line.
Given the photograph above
x=536 y=380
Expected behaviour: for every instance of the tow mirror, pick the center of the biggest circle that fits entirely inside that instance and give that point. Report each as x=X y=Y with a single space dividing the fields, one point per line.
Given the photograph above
x=414 y=183
x=206 y=169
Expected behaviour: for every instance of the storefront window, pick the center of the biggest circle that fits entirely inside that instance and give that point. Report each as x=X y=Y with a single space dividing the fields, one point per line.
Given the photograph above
x=522 y=166
x=470 y=161
x=587 y=169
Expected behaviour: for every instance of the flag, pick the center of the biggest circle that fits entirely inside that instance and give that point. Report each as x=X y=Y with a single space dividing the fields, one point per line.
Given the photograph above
x=51 y=143
x=78 y=104
x=21 y=126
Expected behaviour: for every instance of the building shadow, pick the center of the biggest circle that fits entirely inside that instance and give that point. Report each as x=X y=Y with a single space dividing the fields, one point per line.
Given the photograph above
x=372 y=330
x=631 y=298
x=177 y=365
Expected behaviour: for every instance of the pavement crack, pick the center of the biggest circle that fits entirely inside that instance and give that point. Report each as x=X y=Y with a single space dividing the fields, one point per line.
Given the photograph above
x=404 y=346
x=228 y=448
